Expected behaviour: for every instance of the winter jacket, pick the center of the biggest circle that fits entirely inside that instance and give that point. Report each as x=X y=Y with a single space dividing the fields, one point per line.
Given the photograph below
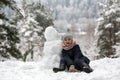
x=72 y=54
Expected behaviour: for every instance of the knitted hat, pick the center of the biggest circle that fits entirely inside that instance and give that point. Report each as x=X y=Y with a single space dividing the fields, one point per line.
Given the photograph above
x=67 y=36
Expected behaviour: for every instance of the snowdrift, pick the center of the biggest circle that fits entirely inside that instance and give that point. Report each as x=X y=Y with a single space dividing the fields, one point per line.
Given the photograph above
x=104 y=69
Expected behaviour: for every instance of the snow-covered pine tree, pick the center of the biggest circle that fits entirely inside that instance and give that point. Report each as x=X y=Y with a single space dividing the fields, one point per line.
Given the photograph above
x=43 y=15
x=117 y=29
x=108 y=26
x=31 y=28
x=8 y=32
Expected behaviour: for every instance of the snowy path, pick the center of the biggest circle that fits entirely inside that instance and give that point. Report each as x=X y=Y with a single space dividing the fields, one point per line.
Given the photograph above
x=104 y=69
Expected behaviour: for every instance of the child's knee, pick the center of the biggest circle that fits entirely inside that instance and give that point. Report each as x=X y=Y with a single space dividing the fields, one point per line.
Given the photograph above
x=78 y=61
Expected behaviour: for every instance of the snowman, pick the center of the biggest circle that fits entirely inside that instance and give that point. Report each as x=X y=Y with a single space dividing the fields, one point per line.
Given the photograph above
x=52 y=48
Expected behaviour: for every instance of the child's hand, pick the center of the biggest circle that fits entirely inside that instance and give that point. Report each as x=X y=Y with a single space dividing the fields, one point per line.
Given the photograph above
x=72 y=68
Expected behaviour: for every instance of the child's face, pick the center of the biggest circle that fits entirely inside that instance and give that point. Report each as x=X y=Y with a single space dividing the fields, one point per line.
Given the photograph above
x=67 y=41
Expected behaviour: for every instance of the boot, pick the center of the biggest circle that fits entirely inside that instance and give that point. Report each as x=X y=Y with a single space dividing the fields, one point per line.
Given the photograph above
x=87 y=69
x=61 y=68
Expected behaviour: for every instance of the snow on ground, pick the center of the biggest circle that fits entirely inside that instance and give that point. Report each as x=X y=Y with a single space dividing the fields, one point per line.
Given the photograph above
x=104 y=69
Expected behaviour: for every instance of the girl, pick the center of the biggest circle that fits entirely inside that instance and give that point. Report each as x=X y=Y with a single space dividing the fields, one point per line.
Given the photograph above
x=72 y=57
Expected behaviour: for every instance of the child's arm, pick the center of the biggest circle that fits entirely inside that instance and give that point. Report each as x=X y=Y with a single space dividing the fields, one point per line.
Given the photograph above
x=78 y=52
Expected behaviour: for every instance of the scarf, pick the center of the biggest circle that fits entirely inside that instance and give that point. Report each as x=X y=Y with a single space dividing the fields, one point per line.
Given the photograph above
x=70 y=46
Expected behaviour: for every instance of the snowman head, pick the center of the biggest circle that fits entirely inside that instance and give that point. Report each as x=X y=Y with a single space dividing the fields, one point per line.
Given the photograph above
x=51 y=34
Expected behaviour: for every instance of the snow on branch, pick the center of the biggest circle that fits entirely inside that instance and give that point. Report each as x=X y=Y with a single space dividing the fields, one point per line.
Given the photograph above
x=109 y=25
x=100 y=19
x=110 y=12
x=1 y=22
x=118 y=19
x=118 y=33
x=102 y=5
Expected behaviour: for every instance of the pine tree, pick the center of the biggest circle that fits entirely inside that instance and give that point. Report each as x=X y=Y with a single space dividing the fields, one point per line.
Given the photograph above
x=8 y=32
x=31 y=29
x=108 y=26
x=43 y=17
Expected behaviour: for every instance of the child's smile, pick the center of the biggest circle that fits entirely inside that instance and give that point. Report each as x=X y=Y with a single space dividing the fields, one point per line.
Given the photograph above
x=67 y=42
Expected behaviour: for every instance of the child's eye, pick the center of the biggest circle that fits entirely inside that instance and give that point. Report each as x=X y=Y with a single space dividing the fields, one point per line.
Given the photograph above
x=65 y=40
